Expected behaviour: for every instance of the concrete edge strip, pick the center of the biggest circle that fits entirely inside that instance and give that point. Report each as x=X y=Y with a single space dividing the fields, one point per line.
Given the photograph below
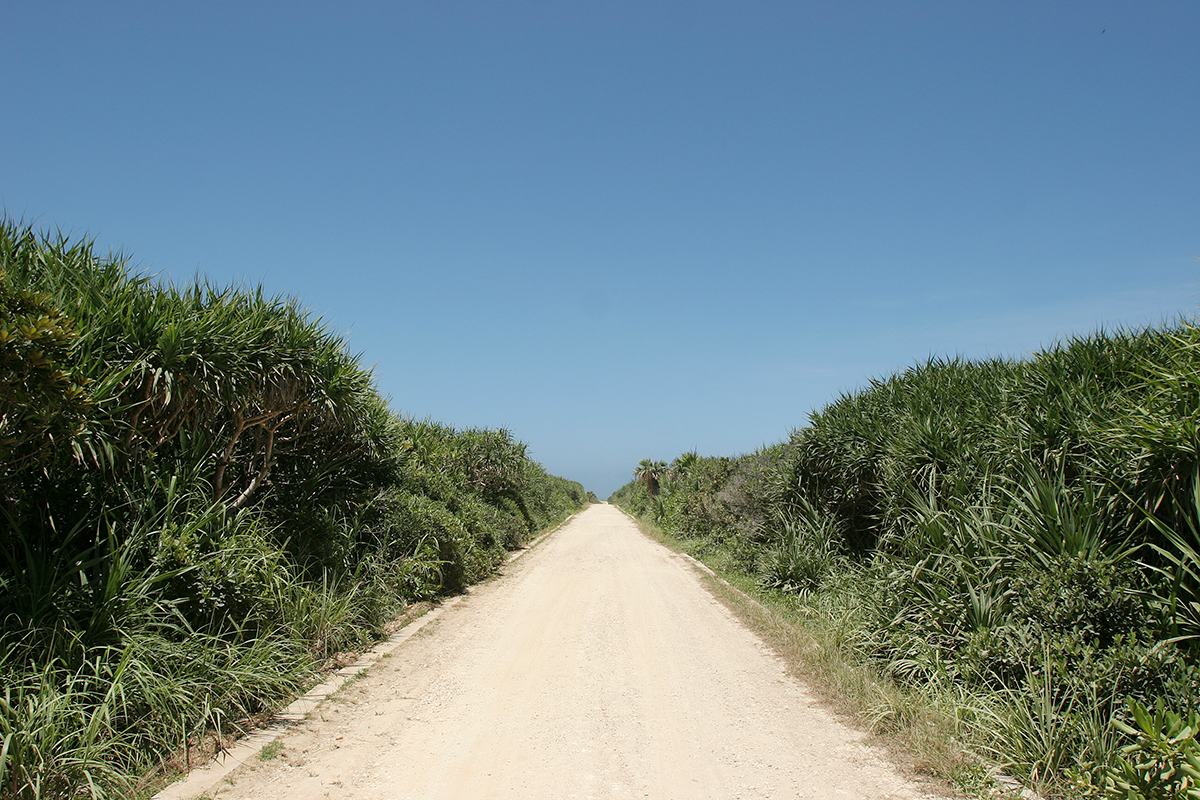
x=203 y=780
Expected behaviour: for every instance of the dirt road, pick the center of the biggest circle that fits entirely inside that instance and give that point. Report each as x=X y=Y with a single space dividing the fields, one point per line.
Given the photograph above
x=597 y=667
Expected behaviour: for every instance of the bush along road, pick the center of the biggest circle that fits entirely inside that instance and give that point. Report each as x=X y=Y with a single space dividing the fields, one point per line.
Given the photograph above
x=205 y=500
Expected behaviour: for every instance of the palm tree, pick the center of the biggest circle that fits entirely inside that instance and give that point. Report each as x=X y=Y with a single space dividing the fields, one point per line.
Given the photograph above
x=649 y=472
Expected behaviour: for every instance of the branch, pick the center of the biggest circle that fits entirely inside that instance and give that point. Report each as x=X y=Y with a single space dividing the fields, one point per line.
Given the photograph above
x=262 y=473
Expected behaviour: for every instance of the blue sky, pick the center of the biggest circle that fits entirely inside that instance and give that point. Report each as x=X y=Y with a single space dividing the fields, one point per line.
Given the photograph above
x=625 y=230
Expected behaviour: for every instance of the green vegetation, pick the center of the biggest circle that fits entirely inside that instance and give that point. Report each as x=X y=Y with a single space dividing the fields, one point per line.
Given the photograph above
x=650 y=473
x=1163 y=761
x=1013 y=543
x=271 y=751
x=203 y=500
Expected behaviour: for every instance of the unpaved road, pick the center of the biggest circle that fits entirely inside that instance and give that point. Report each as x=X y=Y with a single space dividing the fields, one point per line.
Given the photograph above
x=597 y=667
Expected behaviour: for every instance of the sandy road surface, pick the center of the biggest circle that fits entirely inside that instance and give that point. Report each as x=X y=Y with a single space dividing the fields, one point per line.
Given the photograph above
x=597 y=667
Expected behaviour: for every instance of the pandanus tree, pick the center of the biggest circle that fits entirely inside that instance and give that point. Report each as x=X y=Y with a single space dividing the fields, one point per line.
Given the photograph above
x=43 y=400
x=220 y=379
x=444 y=462
x=238 y=381
x=685 y=464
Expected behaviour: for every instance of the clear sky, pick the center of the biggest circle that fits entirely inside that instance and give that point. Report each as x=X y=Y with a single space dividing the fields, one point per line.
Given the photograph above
x=625 y=230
